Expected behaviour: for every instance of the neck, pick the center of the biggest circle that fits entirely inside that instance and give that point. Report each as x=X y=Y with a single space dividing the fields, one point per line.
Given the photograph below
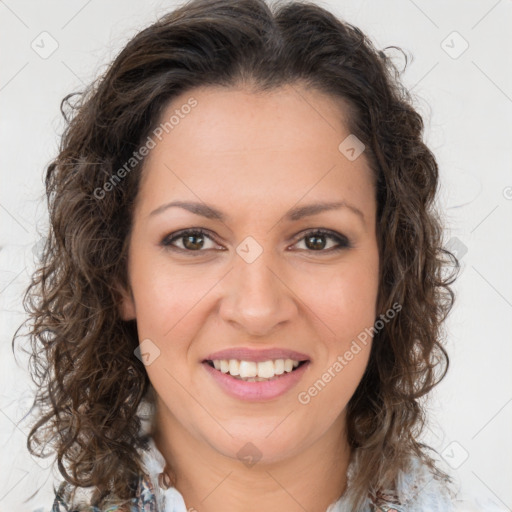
x=310 y=480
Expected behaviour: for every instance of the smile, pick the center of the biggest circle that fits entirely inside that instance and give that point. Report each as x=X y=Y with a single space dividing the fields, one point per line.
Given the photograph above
x=256 y=381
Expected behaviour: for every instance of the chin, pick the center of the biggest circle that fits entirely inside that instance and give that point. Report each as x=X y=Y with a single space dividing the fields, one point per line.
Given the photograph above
x=262 y=446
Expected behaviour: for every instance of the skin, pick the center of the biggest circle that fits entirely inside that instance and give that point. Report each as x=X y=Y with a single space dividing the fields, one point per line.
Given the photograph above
x=254 y=156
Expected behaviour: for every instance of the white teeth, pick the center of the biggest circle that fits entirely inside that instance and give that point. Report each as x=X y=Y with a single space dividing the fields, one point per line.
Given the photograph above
x=255 y=371
x=248 y=369
x=266 y=369
x=279 y=366
x=234 y=367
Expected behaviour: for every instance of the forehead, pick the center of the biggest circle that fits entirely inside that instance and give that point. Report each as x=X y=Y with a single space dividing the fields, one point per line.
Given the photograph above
x=234 y=120
x=281 y=145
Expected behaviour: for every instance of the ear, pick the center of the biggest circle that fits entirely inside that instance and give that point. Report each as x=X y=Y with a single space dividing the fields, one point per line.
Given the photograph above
x=127 y=304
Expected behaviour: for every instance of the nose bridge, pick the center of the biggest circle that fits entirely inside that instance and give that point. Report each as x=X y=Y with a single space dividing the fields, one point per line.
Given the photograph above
x=256 y=298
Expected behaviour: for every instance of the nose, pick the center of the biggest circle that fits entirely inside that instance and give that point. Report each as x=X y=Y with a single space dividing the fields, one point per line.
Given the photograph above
x=257 y=297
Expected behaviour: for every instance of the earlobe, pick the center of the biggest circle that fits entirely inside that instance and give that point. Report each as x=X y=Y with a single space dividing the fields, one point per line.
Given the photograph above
x=127 y=305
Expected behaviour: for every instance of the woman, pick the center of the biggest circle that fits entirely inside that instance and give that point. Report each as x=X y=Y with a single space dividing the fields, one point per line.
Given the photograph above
x=241 y=299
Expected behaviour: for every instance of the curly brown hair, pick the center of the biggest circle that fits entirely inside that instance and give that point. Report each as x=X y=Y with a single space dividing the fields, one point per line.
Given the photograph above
x=90 y=383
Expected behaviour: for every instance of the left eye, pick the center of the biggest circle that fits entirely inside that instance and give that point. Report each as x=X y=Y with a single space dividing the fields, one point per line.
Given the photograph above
x=194 y=240
x=313 y=240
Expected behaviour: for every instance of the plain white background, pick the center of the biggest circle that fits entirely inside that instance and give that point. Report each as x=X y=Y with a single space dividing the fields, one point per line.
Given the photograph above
x=461 y=76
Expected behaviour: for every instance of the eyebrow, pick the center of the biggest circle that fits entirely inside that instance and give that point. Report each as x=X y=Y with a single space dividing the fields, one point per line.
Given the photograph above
x=294 y=214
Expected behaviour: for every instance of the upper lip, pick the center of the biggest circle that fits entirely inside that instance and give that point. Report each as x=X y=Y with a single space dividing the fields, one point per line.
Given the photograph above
x=249 y=354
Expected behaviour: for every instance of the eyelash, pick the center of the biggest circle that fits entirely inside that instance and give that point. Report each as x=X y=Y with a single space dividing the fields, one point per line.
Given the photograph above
x=342 y=241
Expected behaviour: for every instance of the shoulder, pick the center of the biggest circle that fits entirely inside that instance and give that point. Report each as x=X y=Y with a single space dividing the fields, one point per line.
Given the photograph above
x=420 y=489
x=415 y=489
x=144 y=499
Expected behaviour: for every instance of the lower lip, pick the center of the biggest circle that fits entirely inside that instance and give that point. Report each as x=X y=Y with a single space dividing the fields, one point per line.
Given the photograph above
x=257 y=391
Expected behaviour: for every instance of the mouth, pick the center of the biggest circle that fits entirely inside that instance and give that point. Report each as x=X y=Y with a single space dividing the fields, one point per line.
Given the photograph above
x=252 y=375
x=256 y=371
x=252 y=381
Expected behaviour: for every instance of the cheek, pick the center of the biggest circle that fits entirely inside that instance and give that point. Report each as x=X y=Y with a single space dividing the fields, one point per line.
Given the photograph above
x=165 y=297
x=344 y=299
x=347 y=309
x=329 y=390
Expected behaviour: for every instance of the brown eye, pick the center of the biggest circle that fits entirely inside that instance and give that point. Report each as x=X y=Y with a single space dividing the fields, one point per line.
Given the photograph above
x=191 y=241
x=317 y=241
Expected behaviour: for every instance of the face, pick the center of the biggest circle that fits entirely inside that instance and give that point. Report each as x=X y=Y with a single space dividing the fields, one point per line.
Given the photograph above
x=248 y=271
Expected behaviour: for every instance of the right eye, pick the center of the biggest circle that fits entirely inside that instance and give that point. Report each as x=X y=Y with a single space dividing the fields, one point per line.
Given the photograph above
x=192 y=240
